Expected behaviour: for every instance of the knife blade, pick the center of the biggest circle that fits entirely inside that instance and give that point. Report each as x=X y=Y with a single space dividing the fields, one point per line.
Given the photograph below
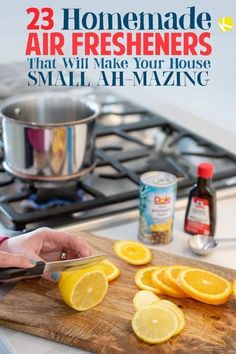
x=73 y=264
x=41 y=267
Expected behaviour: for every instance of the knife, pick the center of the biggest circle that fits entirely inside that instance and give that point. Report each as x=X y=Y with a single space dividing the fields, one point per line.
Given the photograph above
x=42 y=267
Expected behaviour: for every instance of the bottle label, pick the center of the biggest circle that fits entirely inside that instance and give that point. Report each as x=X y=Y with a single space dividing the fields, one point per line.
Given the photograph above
x=198 y=220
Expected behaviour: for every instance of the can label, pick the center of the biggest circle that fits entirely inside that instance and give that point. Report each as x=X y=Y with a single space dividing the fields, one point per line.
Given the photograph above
x=198 y=221
x=156 y=204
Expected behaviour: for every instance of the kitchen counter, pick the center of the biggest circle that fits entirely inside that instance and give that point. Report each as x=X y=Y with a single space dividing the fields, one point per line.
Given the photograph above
x=126 y=227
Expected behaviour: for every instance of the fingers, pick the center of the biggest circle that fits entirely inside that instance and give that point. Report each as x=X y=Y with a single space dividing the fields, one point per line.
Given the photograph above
x=65 y=241
x=15 y=260
x=54 y=276
x=21 y=261
x=77 y=245
x=56 y=256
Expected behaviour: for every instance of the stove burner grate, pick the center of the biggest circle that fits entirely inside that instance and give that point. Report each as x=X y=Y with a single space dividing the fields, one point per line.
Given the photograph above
x=126 y=156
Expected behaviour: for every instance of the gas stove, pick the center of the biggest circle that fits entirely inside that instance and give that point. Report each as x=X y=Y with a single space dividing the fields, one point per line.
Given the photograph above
x=130 y=141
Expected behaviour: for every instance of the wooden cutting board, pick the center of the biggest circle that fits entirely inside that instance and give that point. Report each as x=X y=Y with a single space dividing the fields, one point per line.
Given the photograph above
x=34 y=306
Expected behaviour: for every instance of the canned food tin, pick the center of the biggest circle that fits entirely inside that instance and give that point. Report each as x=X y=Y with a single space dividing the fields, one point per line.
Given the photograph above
x=157 y=197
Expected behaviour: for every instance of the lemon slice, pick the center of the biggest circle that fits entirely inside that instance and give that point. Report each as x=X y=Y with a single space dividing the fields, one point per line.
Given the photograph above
x=177 y=311
x=226 y=23
x=154 y=324
x=143 y=279
x=132 y=252
x=143 y=298
x=110 y=270
x=83 y=289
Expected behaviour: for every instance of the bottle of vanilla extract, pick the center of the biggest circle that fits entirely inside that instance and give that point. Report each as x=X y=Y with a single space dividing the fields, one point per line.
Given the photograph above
x=200 y=217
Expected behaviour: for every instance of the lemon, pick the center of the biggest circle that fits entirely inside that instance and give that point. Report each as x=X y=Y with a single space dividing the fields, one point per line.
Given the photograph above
x=132 y=252
x=154 y=324
x=226 y=23
x=176 y=310
x=143 y=298
x=110 y=270
x=83 y=289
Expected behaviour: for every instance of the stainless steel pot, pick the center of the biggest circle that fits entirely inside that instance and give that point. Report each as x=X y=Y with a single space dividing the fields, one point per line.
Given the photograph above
x=49 y=136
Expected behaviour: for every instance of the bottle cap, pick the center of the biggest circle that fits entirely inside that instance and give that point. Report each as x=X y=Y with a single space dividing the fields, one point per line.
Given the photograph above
x=205 y=170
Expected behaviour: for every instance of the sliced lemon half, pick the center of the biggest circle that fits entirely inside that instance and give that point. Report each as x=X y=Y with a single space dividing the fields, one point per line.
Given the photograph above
x=83 y=289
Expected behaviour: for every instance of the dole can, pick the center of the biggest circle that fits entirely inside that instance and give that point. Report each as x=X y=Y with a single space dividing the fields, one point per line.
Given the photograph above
x=157 y=197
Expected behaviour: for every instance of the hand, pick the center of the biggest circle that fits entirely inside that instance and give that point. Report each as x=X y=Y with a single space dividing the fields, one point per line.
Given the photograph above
x=15 y=260
x=42 y=244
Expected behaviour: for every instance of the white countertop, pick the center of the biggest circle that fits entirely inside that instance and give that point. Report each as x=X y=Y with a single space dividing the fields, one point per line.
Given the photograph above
x=127 y=229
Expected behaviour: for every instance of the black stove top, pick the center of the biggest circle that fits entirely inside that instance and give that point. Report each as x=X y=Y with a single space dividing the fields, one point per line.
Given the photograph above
x=130 y=141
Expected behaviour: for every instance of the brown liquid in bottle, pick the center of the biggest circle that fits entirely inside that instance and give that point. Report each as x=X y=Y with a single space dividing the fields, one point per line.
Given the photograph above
x=200 y=217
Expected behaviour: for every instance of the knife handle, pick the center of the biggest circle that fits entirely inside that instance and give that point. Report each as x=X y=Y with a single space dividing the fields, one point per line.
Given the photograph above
x=11 y=273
